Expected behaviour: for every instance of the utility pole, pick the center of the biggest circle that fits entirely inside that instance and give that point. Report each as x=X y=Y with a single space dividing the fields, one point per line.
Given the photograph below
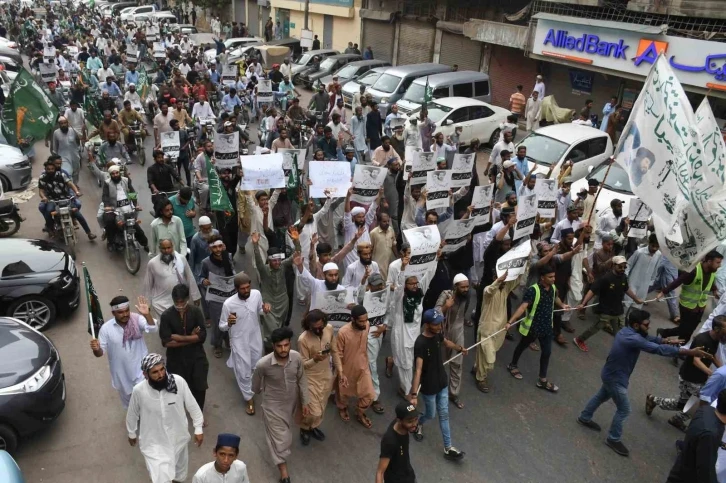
x=307 y=13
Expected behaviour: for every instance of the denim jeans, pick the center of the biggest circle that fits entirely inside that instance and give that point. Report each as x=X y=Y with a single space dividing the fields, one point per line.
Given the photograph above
x=438 y=403
x=619 y=395
x=47 y=208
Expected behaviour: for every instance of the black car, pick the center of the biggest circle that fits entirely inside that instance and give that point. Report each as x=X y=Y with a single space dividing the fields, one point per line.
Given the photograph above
x=32 y=384
x=310 y=76
x=37 y=280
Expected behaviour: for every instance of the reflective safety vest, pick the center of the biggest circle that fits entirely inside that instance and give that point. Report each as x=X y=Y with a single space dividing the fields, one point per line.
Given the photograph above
x=527 y=322
x=695 y=294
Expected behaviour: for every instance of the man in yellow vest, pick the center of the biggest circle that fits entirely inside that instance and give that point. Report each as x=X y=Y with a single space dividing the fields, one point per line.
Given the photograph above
x=695 y=288
x=537 y=308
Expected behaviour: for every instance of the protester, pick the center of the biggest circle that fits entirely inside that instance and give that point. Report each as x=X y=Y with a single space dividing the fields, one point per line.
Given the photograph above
x=394 y=464
x=163 y=273
x=225 y=468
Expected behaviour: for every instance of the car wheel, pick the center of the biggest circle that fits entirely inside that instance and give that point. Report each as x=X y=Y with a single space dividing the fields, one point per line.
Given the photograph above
x=35 y=310
x=495 y=137
x=8 y=439
x=5 y=183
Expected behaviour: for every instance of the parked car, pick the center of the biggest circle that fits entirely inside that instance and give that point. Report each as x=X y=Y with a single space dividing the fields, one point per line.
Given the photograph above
x=306 y=60
x=10 y=67
x=291 y=43
x=164 y=16
x=184 y=28
x=586 y=146
x=352 y=87
x=231 y=45
x=462 y=83
x=309 y=76
x=37 y=280
x=616 y=186
x=11 y=53
x=114 y=9
x=354 y=70
x=9 y=469
x=32 y=383
x=128 y=15
x=392 y=85
x=476 y=118
x=15 y=170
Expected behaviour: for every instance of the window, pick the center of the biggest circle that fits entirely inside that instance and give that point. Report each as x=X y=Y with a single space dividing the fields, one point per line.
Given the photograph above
x=463 y=90
x=597 y=146
x=459 y=115
x=479 y=112
x=440 y=92
x=579 y=152
x=481 y=88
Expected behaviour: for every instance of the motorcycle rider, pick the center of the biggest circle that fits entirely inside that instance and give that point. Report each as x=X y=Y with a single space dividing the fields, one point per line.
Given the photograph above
x=77 y=120
x=52 y=186
x=285 y=92
x=133 y=96
x=160 y=175
x=110 y=149
x=105 y=103
x=183 y=160
x=202 y=111
x=230 y=100
x=181 y=115
x=131 y=77
x=127 y=117
x=115 y=196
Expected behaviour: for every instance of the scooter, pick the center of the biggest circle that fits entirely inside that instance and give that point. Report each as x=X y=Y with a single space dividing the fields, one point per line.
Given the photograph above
x=10 y=218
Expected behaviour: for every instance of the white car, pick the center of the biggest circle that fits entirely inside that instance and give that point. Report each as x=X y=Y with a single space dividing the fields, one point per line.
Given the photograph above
x=231 y=44
x=158 y=17
x=478 y=119
x=586 y=146
x=8 y=43
x=616 y=186
x=127 y=15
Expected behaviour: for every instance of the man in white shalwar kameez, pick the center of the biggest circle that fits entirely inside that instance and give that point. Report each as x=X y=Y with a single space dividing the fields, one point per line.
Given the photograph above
x=642 y=266
x=258 y=206
x=157 y=420
x=241 y=318
x=163 y=273
x=533 y=112
x=311 y=285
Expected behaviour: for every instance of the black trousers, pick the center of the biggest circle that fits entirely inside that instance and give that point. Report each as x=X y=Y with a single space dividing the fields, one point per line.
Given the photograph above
x=689 y=321
x=199 y=396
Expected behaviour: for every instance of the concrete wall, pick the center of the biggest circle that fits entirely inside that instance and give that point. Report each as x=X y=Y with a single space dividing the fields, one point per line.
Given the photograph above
x=346 y=22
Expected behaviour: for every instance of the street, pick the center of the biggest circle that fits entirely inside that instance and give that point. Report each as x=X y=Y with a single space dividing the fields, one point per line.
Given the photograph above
x=515 y=433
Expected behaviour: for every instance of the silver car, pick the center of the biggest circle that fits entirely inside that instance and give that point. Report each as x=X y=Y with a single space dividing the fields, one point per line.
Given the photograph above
x=15 y=171
x=352 y=87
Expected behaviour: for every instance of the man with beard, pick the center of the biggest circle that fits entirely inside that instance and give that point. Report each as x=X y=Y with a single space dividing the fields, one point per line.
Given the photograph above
x=616 y=372
x=358 y=271
x=65 y=144
x=241 y=318
x=316 y=344
x=358 y=133
x=356 y=218
x=218 y=263
x=323 y=254
x=117 y=194
x=199 y=248
x=225 y=468
x=454 y=305
x=609 y=222
x=394 y=464
x=374 y=127
x=201 y=181
x=393 y=188
x=383 y=241
x=159 y=405
x=167 y=225
x=258 y=209
x=184 y=141
x=397 y=141
x=160 y=176
x=182 y=332
x=571 y=221
x=355 y=377
x=161 y=122
x=273 y=285
x=282 y=142
x=311 y=285
x=122 y=339
x=384 y=153
x=307 y=226
x=108 y=124
x=280 y=378
x=165 y=271
x=440 y=148
x=566 y=249
x=642 y=267
x=111 y=149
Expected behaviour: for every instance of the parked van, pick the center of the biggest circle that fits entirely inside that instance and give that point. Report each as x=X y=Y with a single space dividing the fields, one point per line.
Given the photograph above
x=465 y=83
x=392 y=85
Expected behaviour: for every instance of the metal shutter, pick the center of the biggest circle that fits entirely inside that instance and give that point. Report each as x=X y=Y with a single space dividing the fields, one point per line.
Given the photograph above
x=415 y=42
x=239 y=11
x=253 y=24
x=457 y=49
x=379 y=36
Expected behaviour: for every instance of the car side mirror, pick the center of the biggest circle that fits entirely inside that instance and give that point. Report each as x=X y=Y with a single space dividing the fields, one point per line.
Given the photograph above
x=590 y=168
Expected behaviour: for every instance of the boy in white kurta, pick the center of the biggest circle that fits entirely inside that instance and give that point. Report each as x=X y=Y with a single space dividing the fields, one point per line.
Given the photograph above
x=642 y=267
x=225 y=468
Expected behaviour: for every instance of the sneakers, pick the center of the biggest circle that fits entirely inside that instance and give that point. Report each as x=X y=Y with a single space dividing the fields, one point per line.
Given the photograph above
x=581 y=344
x=589 y=424
x=453 y=454
x=649 y=404
x=618 y=447
x=305 y=437
x=418 y=434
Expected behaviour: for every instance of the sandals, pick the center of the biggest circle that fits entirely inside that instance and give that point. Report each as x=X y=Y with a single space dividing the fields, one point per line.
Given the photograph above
x=456 y=402
x=363 y=420
x=676 y=320
x=250 y=407
x=217 y=352
x=344 y=414
x=514 y=372
x=377 y=407
x=389 y=367
x=547 y=386
x=483 y=386
x=534 y=346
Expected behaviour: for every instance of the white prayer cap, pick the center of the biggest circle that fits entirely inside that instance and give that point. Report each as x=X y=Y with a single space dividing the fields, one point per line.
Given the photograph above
x=460 y=277
x=204 y=221
x=329 y=266
x=114 y=169
x=358 y=210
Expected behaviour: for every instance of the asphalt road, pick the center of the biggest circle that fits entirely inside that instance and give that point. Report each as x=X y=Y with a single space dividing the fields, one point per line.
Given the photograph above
x=515 y=433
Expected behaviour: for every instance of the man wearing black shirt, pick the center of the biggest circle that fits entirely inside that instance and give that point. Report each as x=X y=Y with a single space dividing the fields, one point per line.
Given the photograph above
x=693 y=375
x=394 y=465
x=161 y=176
x=697 y=462
x=84 y=55
x=328 y=144
x=430 y=375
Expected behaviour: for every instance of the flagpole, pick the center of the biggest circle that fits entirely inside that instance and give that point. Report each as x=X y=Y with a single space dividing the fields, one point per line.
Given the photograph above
x=599 y=189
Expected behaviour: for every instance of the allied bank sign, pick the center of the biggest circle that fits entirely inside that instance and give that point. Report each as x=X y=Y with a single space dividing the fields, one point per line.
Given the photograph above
x=698 y=63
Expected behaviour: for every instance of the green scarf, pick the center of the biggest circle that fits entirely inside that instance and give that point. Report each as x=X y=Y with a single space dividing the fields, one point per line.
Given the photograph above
x=410 y=303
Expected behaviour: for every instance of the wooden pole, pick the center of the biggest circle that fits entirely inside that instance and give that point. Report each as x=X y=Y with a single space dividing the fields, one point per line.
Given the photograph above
x=594 y=203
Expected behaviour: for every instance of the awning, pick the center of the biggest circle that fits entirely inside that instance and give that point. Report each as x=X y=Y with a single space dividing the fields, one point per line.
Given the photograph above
x=497 y=33
x=608 y=24
x=376 y=14
x=451 y=27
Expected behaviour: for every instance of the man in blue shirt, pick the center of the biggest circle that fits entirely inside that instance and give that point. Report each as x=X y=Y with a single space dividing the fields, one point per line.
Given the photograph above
x=521 y=164
x=132 y=77
x=615 y=375
x=230 y=100
x=111 y=87
x=214 y=75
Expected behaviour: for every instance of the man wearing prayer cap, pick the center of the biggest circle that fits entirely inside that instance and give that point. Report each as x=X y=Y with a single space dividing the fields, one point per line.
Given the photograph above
x=454 y=305
x=241 y=318
x=65 y=144
x=225 y=468
x=356 y=218
x=157 y=421
x=314 y=286
x=572 y=220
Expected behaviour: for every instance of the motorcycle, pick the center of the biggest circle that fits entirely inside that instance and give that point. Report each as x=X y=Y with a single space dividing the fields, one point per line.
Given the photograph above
x=125 y=240
x=136 y=129
x=63 y=223
x=10 y=218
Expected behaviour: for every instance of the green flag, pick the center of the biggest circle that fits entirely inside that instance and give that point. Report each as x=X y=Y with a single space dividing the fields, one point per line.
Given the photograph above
x=95 y=314
x=28 y=111
x=218 y=199
x=428 y=93
x=143 y=86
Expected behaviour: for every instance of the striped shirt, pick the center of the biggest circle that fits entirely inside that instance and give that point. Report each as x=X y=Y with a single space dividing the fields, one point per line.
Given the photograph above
x=517 y=100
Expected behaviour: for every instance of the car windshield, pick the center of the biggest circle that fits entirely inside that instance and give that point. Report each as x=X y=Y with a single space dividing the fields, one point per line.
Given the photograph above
x=369 y=79
x=617 y=179
x=415 y=93
x=327 y=64
x=436 y=112
x=304 y=59
x=546 y=151
x=347 y=72
x=387 y=83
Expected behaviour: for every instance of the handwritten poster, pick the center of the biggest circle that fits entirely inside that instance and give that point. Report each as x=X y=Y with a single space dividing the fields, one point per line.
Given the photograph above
x=170 y=143
x=376 y=304
x=457 y=234
x=546 y=191
x=422 y=163
x=437 y=189
x=425 y=242
x=367 y=180
x=332 y=176
x=526 y=216
x=288 y=156
x=461 y=170
x=221 y=288
x=482 y=203
x=226 y=150
x=638 y=214
x=515 y=260
x=262 y=172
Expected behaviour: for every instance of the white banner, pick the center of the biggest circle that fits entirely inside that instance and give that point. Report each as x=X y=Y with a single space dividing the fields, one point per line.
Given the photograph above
x=482 y=203
x=72 y=51
x=457 y=234
x=526 y=216
x=226 y=150
x=264 y=92
x=408 y=153
x=220 y=288
x=48 y=72
x=262 y=172
x=422 y=163
x=376 y=304
x=132 y=53
x=170 y=143
x=152 y=33
x=546 y=191
x=515 y=260
x=461 y=170
x=425 y=242
x=638 y=214
x=288 y=156
x=229 y=75
x=334 y=304
x=437 y=189
x=159 y=51
x=333 y=176
x=367 y=180
x=49 y=54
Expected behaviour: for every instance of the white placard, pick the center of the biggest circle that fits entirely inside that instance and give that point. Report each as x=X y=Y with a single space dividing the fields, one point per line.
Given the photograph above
x=334 y=304
x=376 y=304
x=264 y=92
x=461 y=170
x=220 y=288
x=408 y=153
x=425 y=242
x=306 y=39
x=288 y=156
x=72 y=51
x=229 y=75
x=170 y=144
x=49 y=54
x=226 y=150
x=333 y=176
x=482 y=203
x=546 y=191
x=526 y=216
x=159 y=51
x=437 y=189
x=152 y=33
x=367 y=180
x=48 y=72
x=262 y=172
x=422 y=163
x=639 y=213
x=132 y=53
x=457 y=234
x=515 y=260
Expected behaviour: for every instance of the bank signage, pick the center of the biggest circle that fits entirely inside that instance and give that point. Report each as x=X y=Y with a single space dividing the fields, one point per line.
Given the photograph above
x=697 y=63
